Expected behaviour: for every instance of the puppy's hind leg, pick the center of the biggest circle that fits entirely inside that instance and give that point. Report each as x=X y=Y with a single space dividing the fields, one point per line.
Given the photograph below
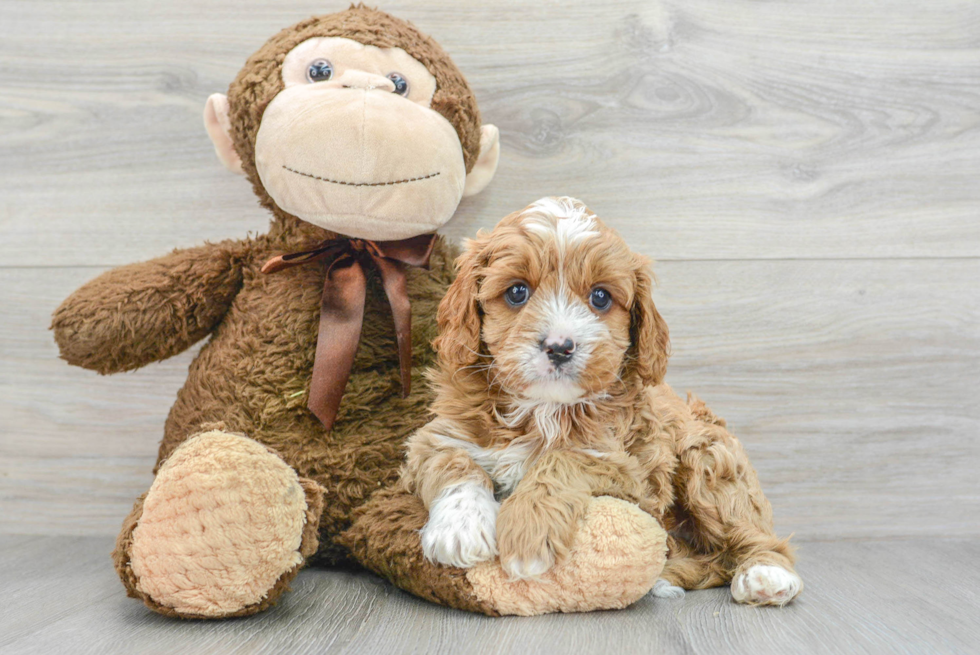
x=688 y=569
x=732 y=518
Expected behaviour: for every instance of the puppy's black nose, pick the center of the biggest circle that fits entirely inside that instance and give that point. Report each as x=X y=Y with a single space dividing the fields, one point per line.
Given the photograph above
x=558 y=353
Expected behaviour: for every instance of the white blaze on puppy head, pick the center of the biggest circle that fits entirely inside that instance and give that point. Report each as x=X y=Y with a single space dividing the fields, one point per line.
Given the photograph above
x=566 y=220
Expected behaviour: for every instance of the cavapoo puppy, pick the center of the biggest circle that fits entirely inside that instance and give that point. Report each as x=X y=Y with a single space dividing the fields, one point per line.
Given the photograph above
x=549 y=390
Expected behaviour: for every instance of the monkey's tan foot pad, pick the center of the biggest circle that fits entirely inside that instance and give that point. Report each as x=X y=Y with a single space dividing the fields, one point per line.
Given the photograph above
x=224 y=528
x=618 y=554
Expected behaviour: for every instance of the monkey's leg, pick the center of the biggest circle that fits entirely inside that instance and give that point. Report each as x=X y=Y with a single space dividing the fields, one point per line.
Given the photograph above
x=732 y=519
x=222 y=531
x=615 y=558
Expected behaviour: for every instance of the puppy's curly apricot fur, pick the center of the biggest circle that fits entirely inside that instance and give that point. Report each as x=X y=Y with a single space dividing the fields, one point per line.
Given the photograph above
x=541 y=433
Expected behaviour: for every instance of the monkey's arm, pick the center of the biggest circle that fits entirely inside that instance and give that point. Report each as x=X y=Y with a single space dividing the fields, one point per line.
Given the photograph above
x=141 y=313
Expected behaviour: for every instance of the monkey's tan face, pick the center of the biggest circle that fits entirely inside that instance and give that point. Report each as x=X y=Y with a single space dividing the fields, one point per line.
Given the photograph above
x=351 y=142
x=352 y=145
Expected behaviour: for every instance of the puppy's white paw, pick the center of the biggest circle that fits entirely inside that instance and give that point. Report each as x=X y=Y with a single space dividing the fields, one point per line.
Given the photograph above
x=462 y=526
x=522 y=569
x=663 y=589
x=764 y=584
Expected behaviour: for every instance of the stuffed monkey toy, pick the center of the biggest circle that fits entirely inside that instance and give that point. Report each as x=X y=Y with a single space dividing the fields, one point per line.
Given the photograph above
x=283 y=447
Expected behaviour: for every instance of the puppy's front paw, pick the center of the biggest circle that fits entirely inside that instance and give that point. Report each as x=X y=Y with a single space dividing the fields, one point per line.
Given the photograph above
x=462 y=526
x=764 y=584
x=518 y=568
x=531 y=538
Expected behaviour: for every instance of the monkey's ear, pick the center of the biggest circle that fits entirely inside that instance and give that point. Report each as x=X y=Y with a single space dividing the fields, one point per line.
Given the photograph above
x=486 y=165
x=218 y=125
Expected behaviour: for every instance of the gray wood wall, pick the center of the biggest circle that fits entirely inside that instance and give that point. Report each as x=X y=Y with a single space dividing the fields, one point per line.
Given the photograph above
x=807 y=175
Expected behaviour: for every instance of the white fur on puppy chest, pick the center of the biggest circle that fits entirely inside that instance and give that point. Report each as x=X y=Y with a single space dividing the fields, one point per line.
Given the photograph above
x=462 y=526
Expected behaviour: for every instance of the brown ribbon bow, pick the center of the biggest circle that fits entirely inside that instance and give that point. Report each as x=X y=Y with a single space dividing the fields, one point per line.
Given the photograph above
x=342 y=308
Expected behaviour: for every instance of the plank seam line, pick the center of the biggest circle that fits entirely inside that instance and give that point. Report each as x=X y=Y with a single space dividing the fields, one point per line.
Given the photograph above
x=671 y=260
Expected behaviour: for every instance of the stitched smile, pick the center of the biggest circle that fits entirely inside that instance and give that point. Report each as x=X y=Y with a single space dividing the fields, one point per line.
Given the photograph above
x=324 y=179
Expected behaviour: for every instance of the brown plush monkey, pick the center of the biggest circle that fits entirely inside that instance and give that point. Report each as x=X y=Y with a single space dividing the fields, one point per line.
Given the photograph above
x=360 y=135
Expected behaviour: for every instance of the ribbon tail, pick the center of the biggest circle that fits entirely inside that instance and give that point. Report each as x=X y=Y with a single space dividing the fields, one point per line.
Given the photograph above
x=395 y=283
x=341 y=318
x=282 y=262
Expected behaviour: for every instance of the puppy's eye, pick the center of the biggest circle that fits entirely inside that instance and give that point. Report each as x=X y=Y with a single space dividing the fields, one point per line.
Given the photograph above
x=600 y=299
x=517 y=294
x=401 y=84
x=320 y=70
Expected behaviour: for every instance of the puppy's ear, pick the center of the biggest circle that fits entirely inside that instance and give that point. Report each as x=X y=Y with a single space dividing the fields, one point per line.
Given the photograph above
x=458 y=343
x=649 y=337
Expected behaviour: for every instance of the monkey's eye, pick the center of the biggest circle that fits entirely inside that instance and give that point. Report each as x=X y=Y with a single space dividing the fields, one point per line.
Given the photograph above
x=517 y=294
x=319 y=71
x=401 y=84
x=600 y=299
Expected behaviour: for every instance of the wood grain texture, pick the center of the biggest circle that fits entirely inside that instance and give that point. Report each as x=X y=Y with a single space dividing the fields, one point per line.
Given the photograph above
x=806 y=172
x=60 y=594
x=852 y=383
x=714 y=129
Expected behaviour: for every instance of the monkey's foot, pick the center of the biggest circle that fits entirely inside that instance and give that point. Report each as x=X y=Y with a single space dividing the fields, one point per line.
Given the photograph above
x=225 y=527
x=618 y=553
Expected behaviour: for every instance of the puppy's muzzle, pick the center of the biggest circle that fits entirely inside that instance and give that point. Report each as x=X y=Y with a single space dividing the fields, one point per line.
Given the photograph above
x=558 y=352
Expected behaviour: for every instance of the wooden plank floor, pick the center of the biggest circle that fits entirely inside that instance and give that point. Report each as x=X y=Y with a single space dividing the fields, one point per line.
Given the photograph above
x=805 y=174
x=859 y=415
x=915 y=596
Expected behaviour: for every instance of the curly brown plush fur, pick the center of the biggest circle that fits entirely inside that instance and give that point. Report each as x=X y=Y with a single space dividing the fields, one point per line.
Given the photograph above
x=250 y=486
x=252 y=377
